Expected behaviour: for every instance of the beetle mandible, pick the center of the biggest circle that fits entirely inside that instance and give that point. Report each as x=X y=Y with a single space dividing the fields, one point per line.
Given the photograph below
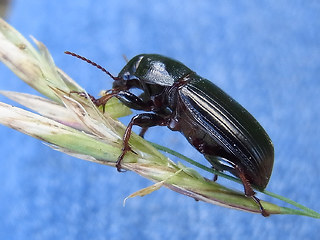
x=173 y=95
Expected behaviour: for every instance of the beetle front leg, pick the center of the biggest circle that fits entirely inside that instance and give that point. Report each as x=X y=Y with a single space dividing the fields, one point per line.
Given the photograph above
x=144 y=120
x=102 y=101
x=248 y=191
x=133 y=101
x=85 y=95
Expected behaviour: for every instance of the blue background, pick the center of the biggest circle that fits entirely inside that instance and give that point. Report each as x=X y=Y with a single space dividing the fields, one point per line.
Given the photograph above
x=266 y=54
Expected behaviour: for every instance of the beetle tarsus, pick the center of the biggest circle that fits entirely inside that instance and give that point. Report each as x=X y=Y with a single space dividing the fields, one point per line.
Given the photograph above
x=118 y=166
x=126 y=148
x=102 y=101
x=215 y=177
x=85 y=95
x=262 y=210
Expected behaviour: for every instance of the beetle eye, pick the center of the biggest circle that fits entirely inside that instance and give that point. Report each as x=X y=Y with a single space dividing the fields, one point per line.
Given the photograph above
x=128 y=76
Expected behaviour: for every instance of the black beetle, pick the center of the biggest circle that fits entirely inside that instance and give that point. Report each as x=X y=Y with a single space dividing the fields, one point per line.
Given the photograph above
x=214 y=123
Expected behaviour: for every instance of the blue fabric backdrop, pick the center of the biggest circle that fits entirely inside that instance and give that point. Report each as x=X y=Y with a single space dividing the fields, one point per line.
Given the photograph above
x=266 y=54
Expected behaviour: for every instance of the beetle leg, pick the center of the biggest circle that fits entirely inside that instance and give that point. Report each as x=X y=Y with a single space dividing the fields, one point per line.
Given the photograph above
x=215 y=177
x=263 y=211
x=85 y=95
x=103 y=101
x=133 y=101
x=143 y=131
x=98 y=102
x=248 y=190
x=144 y=120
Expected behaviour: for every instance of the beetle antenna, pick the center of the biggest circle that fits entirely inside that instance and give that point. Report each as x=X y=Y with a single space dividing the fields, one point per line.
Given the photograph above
x=125 y=58
x=92 y=63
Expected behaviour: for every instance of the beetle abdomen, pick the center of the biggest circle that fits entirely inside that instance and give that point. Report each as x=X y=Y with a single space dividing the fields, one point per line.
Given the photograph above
x=226 y=128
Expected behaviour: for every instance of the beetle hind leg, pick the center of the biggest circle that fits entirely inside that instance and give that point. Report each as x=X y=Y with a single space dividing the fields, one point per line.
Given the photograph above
x=248 y=191
x=215 y=177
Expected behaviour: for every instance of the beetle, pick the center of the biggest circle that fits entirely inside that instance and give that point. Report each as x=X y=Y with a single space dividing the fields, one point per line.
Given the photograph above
x=173 y=95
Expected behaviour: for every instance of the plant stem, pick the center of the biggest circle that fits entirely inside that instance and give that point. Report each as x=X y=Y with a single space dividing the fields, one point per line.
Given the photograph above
x=303 y=210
